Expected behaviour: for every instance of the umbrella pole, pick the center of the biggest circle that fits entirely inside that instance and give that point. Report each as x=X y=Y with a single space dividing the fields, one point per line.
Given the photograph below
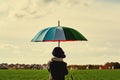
x=58 y=23
x=58 y=26
x=58 y=43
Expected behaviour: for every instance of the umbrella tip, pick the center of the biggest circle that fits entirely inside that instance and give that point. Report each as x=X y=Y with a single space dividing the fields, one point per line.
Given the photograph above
x=58 y=22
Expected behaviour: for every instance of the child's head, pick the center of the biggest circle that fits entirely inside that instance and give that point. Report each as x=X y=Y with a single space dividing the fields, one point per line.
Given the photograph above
x=58 y=52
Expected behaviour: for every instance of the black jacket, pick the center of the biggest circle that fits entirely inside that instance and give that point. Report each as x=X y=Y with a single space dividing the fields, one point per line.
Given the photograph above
x=58 y=70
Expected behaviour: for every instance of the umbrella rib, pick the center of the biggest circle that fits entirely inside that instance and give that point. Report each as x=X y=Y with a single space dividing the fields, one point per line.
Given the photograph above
x=49 y=36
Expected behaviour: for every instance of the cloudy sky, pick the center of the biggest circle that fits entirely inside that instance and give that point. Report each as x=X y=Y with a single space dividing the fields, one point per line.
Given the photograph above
x=97 y=20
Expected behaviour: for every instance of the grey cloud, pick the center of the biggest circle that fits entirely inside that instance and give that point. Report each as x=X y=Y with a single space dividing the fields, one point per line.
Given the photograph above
x=4 y=14
x=19 y=15
x=49 y=1
x=68 y=2
x=73 y=3
x=36 y=8
x=109 y=1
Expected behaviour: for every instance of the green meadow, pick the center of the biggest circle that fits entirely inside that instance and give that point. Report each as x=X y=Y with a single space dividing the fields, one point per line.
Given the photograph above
x=73 y=75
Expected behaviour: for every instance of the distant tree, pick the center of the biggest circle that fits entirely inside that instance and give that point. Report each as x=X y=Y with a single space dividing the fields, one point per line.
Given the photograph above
x=116 y=65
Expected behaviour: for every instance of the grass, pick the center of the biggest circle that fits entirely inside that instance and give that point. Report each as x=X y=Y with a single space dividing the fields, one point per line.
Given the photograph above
x=94 y=75
x=23 y=75
x=73 y=75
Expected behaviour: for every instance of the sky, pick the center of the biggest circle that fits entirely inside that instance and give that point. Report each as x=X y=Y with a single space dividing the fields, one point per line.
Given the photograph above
x=97 y=20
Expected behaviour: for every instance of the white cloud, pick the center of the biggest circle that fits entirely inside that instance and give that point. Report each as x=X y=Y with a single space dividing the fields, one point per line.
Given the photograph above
x=8 y=46
x=4 y=10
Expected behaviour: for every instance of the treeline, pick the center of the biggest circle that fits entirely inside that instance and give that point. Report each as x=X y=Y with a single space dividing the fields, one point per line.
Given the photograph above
x=23 y=66
x=108 y=65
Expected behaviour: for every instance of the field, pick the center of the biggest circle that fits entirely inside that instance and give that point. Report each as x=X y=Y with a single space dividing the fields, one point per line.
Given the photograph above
x=73 y=75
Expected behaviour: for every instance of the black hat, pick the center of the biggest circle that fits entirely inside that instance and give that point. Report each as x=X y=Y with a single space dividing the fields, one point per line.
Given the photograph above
x=58 y=52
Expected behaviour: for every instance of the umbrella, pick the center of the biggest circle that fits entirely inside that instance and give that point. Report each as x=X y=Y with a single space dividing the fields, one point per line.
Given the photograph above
x=58 y=34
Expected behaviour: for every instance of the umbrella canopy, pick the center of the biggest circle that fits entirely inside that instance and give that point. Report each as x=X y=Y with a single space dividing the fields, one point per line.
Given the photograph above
x=58 y=33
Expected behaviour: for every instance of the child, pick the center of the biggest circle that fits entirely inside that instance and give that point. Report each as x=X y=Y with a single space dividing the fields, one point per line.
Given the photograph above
x=57 y=67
